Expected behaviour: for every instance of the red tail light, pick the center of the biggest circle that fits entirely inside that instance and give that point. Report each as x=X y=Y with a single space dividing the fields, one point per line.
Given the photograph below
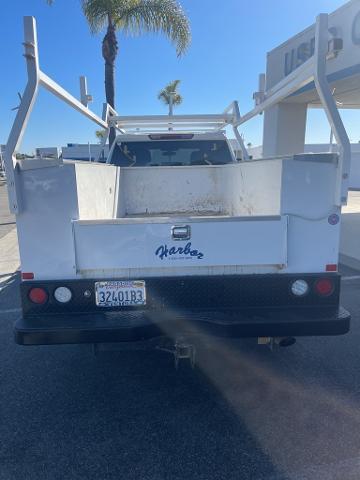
x=331 y=267
x=27 y=276
x=38 y=295
x=324 y=287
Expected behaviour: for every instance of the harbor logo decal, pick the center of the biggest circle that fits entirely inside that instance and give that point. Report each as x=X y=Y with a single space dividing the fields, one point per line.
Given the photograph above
x=178 y=253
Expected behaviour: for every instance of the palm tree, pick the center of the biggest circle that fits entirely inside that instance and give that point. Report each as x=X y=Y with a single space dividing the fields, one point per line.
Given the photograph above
x=133 y=17
x=170 y=96
x=100 y=134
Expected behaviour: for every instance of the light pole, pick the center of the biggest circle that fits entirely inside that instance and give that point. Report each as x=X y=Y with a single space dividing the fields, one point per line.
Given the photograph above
x=171 y=105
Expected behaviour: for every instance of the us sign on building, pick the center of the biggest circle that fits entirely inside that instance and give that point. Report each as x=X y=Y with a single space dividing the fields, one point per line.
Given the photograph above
x=345 y=25
x=284 y=125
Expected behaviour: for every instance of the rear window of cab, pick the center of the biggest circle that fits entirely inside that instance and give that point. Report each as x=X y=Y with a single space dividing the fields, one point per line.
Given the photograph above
x=172 y=153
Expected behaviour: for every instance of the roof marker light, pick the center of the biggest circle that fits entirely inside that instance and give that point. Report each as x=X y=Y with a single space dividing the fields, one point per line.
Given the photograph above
x=171 y=136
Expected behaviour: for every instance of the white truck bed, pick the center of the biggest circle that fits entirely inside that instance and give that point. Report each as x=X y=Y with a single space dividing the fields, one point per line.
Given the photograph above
x=269 y=215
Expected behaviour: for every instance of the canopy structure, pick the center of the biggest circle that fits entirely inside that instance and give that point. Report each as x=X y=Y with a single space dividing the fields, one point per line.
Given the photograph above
x=343 y=59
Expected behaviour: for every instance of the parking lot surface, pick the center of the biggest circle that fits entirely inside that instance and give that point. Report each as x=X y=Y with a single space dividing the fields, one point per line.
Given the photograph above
x=243 y=412
x=7 y=220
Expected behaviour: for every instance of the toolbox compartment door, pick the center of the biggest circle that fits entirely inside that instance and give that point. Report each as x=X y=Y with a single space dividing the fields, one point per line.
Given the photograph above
x=170 y=243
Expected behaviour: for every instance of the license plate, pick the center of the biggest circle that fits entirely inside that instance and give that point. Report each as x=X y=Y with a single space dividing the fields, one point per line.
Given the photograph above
x=120 y=293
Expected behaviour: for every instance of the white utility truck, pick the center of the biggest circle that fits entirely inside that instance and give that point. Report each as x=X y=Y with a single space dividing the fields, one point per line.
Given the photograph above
x=176 y=235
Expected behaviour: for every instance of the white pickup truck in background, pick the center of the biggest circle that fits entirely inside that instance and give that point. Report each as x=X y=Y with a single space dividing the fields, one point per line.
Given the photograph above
x=174 y=236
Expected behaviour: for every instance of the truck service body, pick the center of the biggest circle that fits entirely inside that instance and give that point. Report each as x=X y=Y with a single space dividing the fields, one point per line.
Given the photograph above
x=176 y=235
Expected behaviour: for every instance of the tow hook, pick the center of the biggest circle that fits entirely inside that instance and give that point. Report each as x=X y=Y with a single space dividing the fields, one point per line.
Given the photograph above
x=273 y=342
x=182 y=350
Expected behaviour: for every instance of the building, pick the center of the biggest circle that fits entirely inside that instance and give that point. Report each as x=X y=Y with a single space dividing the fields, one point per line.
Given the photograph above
x=47 y=152
x=75 y=151
x=85 y=151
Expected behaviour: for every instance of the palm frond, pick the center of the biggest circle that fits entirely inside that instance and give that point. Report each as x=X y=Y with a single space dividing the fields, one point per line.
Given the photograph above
x=171 y=88
x=177 y=99
x=164 y=16
x=98 y=12
x=138 y=16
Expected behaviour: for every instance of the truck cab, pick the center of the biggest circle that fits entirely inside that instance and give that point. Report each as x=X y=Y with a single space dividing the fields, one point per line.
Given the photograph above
x=172 y=149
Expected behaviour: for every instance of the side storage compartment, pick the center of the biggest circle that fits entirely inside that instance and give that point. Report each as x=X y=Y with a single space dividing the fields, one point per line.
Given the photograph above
x=49 y=203
x=308 y=198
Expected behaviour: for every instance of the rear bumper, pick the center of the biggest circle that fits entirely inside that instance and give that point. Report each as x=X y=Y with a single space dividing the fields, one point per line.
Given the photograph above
x=130 y=326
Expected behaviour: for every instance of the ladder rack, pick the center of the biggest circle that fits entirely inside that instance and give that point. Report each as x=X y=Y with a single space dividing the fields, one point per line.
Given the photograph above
x=183 y=123
x=196 y=123
x=314 y=69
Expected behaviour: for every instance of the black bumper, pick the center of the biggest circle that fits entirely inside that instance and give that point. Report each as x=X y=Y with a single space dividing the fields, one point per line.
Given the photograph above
x=135 y=326
x=228 y=306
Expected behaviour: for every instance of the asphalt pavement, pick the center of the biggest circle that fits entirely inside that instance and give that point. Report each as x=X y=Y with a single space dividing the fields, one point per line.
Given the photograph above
x=244 y=412
x=7 y=220
x=9 y=252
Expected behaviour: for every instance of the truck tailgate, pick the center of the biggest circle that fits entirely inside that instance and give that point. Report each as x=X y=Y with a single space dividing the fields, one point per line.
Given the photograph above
x=149 y=243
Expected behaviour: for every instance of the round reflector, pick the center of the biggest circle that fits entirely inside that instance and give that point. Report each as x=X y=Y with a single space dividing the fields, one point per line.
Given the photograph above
x=38 y=295
x=63 y=294
x=324 y=287
x=299 y=288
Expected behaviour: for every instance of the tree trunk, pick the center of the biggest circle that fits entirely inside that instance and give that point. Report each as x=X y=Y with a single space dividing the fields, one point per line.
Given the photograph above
x=110 y=93
x=110 y=83
x=109 y=51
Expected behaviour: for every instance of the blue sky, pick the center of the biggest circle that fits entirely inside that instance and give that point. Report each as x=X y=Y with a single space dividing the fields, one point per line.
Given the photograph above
x=228 y=51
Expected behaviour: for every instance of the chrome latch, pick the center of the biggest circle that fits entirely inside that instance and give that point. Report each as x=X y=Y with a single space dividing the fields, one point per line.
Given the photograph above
x=181 y=232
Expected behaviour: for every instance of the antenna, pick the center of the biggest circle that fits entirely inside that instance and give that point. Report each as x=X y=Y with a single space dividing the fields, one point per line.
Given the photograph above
x=85 y=97
x=17 y=108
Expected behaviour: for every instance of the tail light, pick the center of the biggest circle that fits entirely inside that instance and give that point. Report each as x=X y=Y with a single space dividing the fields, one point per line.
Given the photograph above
x=331 y=267
x=324 y=287
x=38 y=295
x=299 y=288
x=27 y=275
x=63 y=294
